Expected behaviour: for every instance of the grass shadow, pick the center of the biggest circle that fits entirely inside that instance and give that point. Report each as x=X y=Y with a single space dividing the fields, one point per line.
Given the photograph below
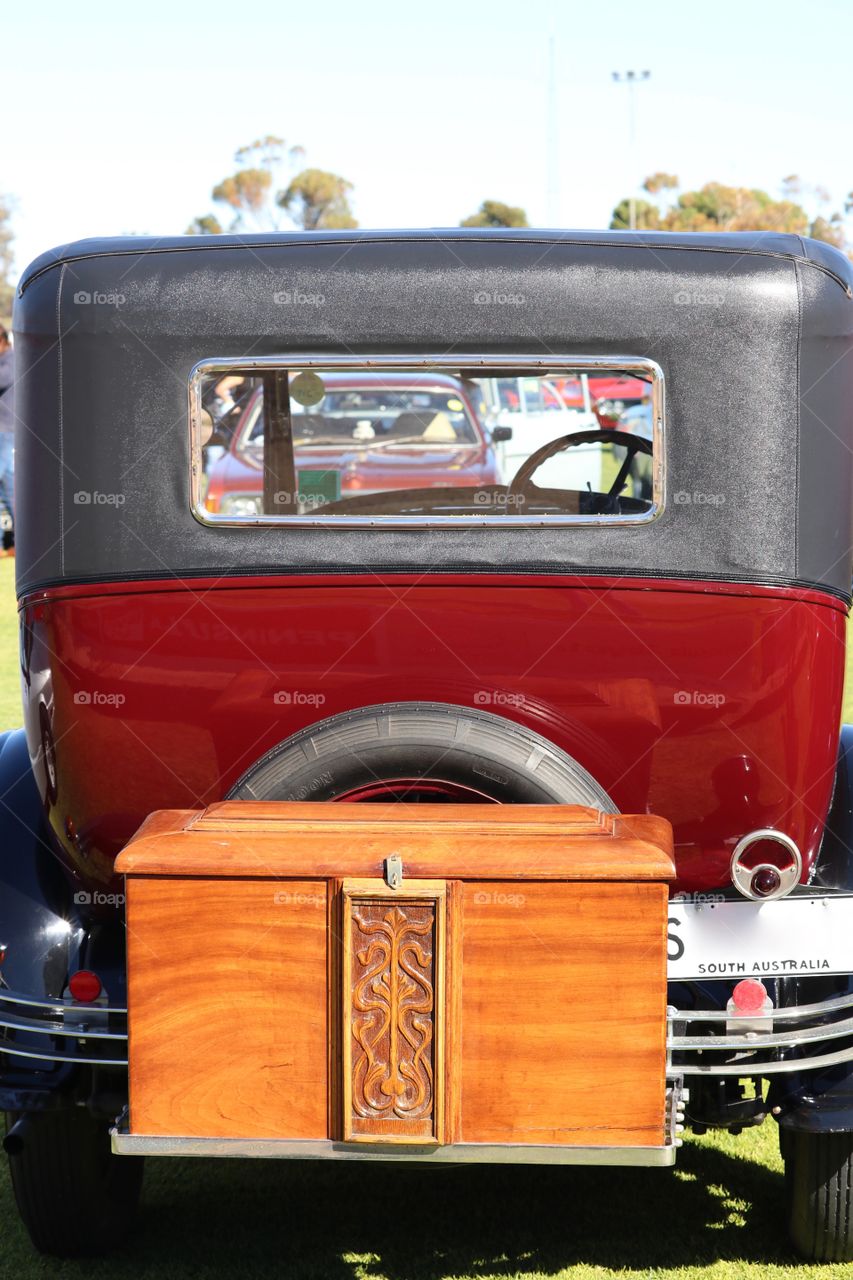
x=339 y=1222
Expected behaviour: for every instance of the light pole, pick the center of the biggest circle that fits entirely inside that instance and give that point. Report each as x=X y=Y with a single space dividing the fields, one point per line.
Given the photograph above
x=632 y=79
x=552 y=150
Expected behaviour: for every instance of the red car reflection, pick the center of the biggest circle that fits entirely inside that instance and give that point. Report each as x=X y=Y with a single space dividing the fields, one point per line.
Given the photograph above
x=369 y=433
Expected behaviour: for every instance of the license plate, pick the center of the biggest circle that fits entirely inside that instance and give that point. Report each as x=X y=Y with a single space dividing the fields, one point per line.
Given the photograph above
x=788 y=937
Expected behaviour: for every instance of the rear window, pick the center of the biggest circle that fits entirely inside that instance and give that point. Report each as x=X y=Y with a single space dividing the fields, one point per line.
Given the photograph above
x=431 y=443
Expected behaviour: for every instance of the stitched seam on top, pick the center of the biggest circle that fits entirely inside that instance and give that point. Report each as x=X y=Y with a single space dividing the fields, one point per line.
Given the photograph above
x=778 y=254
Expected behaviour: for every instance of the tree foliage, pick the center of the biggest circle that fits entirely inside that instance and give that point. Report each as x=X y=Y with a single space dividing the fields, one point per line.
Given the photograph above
x=318 y=201
x=246 y=192
x=829 y=229
x=7 y=259
x=647 y=215
x=206 y=225
x=660 y=182
x=252 y=199
x=494 y=213
x=716 y=207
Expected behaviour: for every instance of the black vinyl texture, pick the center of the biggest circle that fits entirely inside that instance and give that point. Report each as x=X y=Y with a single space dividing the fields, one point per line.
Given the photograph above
x=753 y=333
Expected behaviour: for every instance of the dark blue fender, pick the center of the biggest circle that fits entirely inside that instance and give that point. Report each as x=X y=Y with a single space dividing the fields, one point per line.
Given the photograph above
x=44 y=933
x=823 y=1101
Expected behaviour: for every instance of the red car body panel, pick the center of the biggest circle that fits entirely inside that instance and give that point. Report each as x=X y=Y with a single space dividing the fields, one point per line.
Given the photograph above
x=602 y=388
x=396 y=466
x=713 y=705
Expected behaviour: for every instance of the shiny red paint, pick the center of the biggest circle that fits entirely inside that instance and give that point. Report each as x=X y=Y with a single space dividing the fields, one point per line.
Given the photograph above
x=415 y=791
x=714 y=705
x=620 y=388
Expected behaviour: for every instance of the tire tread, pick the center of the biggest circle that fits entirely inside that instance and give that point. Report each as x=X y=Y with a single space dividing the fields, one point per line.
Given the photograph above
x=73 y=1195
x=819 y=1179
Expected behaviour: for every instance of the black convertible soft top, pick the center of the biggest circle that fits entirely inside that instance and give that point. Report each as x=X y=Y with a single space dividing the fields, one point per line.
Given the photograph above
x=753 y=333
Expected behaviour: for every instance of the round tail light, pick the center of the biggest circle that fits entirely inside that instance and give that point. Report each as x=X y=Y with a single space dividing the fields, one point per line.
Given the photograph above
x=84 y=985
x=755 y=875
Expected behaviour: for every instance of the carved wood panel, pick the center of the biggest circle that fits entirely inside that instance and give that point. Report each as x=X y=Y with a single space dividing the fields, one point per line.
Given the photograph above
x=393 y=995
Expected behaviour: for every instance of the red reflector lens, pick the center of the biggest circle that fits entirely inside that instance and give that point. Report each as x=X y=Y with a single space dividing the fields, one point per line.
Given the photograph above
x=765 y=882
x=749 y=996
x=84 y=985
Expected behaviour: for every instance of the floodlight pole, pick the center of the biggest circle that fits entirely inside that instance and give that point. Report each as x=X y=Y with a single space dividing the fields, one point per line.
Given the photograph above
x=552 y=151
x=632 y=79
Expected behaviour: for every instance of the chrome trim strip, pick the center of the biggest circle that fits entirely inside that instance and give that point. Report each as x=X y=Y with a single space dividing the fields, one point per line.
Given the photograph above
x=763 y=1040
x=455 y=1153
x=75 y=1025
x=531 y=364
x=745 y=1067
x=47 y=1055
x=60 y=1004
x=790 y=1013
x=57 y=1029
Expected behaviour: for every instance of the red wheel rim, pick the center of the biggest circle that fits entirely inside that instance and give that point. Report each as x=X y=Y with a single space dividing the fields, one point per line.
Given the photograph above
x=415 y=791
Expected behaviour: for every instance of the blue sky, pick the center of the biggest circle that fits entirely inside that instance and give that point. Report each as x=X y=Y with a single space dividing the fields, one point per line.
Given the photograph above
x=120 y=119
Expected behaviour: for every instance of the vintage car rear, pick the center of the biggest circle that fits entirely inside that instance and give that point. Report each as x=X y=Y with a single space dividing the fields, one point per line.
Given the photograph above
x=606 y=878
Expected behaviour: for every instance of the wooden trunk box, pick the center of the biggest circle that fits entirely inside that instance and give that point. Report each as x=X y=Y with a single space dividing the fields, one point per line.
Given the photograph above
x=511 y=989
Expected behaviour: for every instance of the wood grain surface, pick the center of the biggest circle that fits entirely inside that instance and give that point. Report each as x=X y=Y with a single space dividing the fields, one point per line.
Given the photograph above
x=227 y=997
x=516 y=994
x=453 y=842
x=563 y=996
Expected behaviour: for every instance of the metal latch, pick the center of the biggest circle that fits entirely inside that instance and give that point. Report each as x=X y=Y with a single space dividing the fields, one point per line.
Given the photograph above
x=394 y=871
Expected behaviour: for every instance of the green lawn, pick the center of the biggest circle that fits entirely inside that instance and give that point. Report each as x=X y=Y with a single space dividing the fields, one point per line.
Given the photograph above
x=718 y=1215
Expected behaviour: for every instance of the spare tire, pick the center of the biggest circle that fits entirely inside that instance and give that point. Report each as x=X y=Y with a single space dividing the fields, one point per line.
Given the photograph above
x=420 y=751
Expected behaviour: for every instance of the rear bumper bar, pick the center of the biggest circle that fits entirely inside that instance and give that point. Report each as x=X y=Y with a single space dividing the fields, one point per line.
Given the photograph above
x=50 y=1031
x=455 y=1153
x=793 y=1040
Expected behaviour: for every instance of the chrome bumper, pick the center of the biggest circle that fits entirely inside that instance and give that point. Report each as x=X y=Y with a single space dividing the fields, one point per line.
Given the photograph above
x=48 y=1031
x=126 y=1144
x=796 y=1039
x=800 y=1038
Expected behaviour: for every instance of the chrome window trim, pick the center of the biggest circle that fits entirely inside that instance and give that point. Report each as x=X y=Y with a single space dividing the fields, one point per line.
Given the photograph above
x=495 y=365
